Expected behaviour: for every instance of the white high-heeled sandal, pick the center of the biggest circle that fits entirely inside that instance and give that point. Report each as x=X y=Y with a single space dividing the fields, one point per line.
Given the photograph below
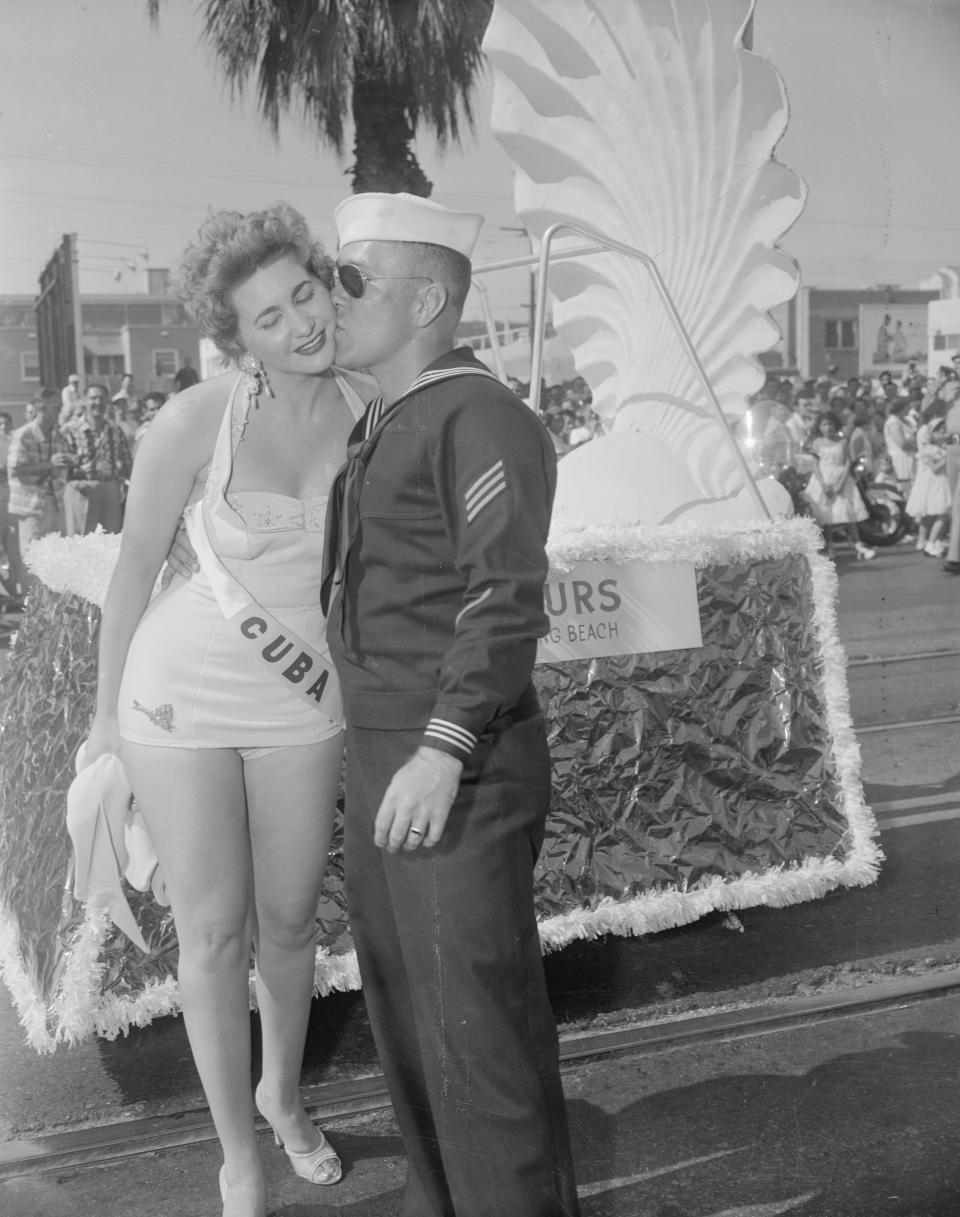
x=309 y=1164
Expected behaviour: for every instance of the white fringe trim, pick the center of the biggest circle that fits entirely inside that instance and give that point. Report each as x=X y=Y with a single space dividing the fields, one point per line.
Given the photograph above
x=80 y=1009
x=701 y=545
x=864 y=855
x=778 y=887
x=664 y=910
x=83 y=565
x=30 y=1009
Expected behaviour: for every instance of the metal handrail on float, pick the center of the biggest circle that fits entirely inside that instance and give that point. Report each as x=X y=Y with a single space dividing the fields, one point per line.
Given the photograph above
x=601 y=244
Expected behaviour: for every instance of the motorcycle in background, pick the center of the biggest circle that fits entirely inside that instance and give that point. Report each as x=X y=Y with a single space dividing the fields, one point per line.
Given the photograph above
x=887 y=506
x=887 y=519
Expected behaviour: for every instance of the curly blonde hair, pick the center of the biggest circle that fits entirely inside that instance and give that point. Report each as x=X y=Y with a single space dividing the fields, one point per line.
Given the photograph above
x=229 y=248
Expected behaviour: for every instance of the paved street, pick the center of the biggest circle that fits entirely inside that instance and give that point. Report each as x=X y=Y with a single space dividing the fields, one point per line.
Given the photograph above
x=853 y=1115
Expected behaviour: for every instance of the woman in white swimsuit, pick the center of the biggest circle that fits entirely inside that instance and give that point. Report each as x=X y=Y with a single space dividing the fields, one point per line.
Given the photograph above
x=216 y=692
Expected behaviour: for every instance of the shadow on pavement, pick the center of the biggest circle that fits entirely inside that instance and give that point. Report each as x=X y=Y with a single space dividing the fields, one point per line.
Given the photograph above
x=153 y=1065
x=866 y=1133
x=876 y=792
x=915 y=905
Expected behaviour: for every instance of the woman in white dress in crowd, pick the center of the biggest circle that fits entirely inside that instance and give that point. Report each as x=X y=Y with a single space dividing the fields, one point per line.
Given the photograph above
x=930 y=499
x=213 y=692
x=832 y=490
x=901 y=440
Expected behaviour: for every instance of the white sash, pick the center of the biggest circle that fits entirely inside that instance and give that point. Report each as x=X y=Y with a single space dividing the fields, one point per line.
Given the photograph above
x=286 y=656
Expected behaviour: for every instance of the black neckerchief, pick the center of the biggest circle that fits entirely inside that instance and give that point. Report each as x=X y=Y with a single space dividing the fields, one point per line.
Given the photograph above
x=343 y=503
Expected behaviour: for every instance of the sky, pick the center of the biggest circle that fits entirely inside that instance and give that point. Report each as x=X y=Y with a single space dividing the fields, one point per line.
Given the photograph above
x=123 y=133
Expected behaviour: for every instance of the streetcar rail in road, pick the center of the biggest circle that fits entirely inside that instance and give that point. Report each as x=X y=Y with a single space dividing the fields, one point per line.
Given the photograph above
x=913 y=819
x=920 y=809
x=908 y=724
x=877 y=660
x=365 y=1096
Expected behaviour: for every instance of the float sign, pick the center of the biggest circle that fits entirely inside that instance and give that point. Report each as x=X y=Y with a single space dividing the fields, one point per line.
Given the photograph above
x=605 y=608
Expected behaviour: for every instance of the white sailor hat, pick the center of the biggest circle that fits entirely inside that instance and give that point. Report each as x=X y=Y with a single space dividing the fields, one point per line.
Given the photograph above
x=406 y=217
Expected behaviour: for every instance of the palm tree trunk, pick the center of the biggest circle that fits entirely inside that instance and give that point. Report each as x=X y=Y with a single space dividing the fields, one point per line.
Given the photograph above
x=383 y=139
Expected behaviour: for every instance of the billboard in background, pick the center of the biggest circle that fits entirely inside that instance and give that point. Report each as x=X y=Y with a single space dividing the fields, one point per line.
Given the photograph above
x=891 y=336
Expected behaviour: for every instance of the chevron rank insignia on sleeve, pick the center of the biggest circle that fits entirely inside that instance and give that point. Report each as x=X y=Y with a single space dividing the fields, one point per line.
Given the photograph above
x=484 y=490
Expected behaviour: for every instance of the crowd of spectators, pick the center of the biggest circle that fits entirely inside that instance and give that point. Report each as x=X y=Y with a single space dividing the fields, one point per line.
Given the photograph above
x=895 y=429
x=823 y=435
x=66 y=470
x=566 y=411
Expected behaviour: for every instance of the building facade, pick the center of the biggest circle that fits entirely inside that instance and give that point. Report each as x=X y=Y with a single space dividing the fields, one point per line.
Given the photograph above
x=943 y=332
x=19 y=357
x=148 y=335
x=832 y=333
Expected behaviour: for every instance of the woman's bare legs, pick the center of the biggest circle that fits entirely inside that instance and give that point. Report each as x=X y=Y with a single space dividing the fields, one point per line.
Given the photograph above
x=291 y=795
x=194 y=805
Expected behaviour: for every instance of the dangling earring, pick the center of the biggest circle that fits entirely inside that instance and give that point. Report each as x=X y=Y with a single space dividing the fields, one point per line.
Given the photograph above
x=254 y=377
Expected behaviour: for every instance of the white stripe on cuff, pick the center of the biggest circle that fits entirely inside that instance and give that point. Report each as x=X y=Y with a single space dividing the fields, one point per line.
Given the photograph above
x=472 y=605
x=450 y=733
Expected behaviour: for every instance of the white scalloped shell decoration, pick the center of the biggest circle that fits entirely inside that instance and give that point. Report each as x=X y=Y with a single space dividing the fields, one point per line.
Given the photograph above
x=649 y=122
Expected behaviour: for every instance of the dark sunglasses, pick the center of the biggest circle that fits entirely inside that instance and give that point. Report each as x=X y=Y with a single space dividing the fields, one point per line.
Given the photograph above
x=354 y=281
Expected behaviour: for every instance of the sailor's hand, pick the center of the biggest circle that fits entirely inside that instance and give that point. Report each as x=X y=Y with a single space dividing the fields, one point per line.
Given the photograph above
x=417 y=802
x=182 y=559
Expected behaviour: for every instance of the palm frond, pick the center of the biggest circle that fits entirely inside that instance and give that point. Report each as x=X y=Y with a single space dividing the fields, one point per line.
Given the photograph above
x=304 y=57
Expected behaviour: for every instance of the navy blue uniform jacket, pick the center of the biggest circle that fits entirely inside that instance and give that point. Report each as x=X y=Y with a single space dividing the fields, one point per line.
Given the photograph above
x=442 y=558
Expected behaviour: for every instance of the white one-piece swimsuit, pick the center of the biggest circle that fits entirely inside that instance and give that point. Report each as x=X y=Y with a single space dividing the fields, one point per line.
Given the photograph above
x=187 y=682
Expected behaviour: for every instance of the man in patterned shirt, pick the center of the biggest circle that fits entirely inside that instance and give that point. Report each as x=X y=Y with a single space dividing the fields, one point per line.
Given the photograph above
x=99 y=467
x=35 y=463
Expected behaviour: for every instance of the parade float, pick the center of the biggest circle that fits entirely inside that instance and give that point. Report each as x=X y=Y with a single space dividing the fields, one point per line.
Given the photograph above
x=693 y=682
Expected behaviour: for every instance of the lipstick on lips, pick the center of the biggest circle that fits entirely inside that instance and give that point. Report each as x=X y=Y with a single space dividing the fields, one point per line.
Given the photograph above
x=313 y=345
